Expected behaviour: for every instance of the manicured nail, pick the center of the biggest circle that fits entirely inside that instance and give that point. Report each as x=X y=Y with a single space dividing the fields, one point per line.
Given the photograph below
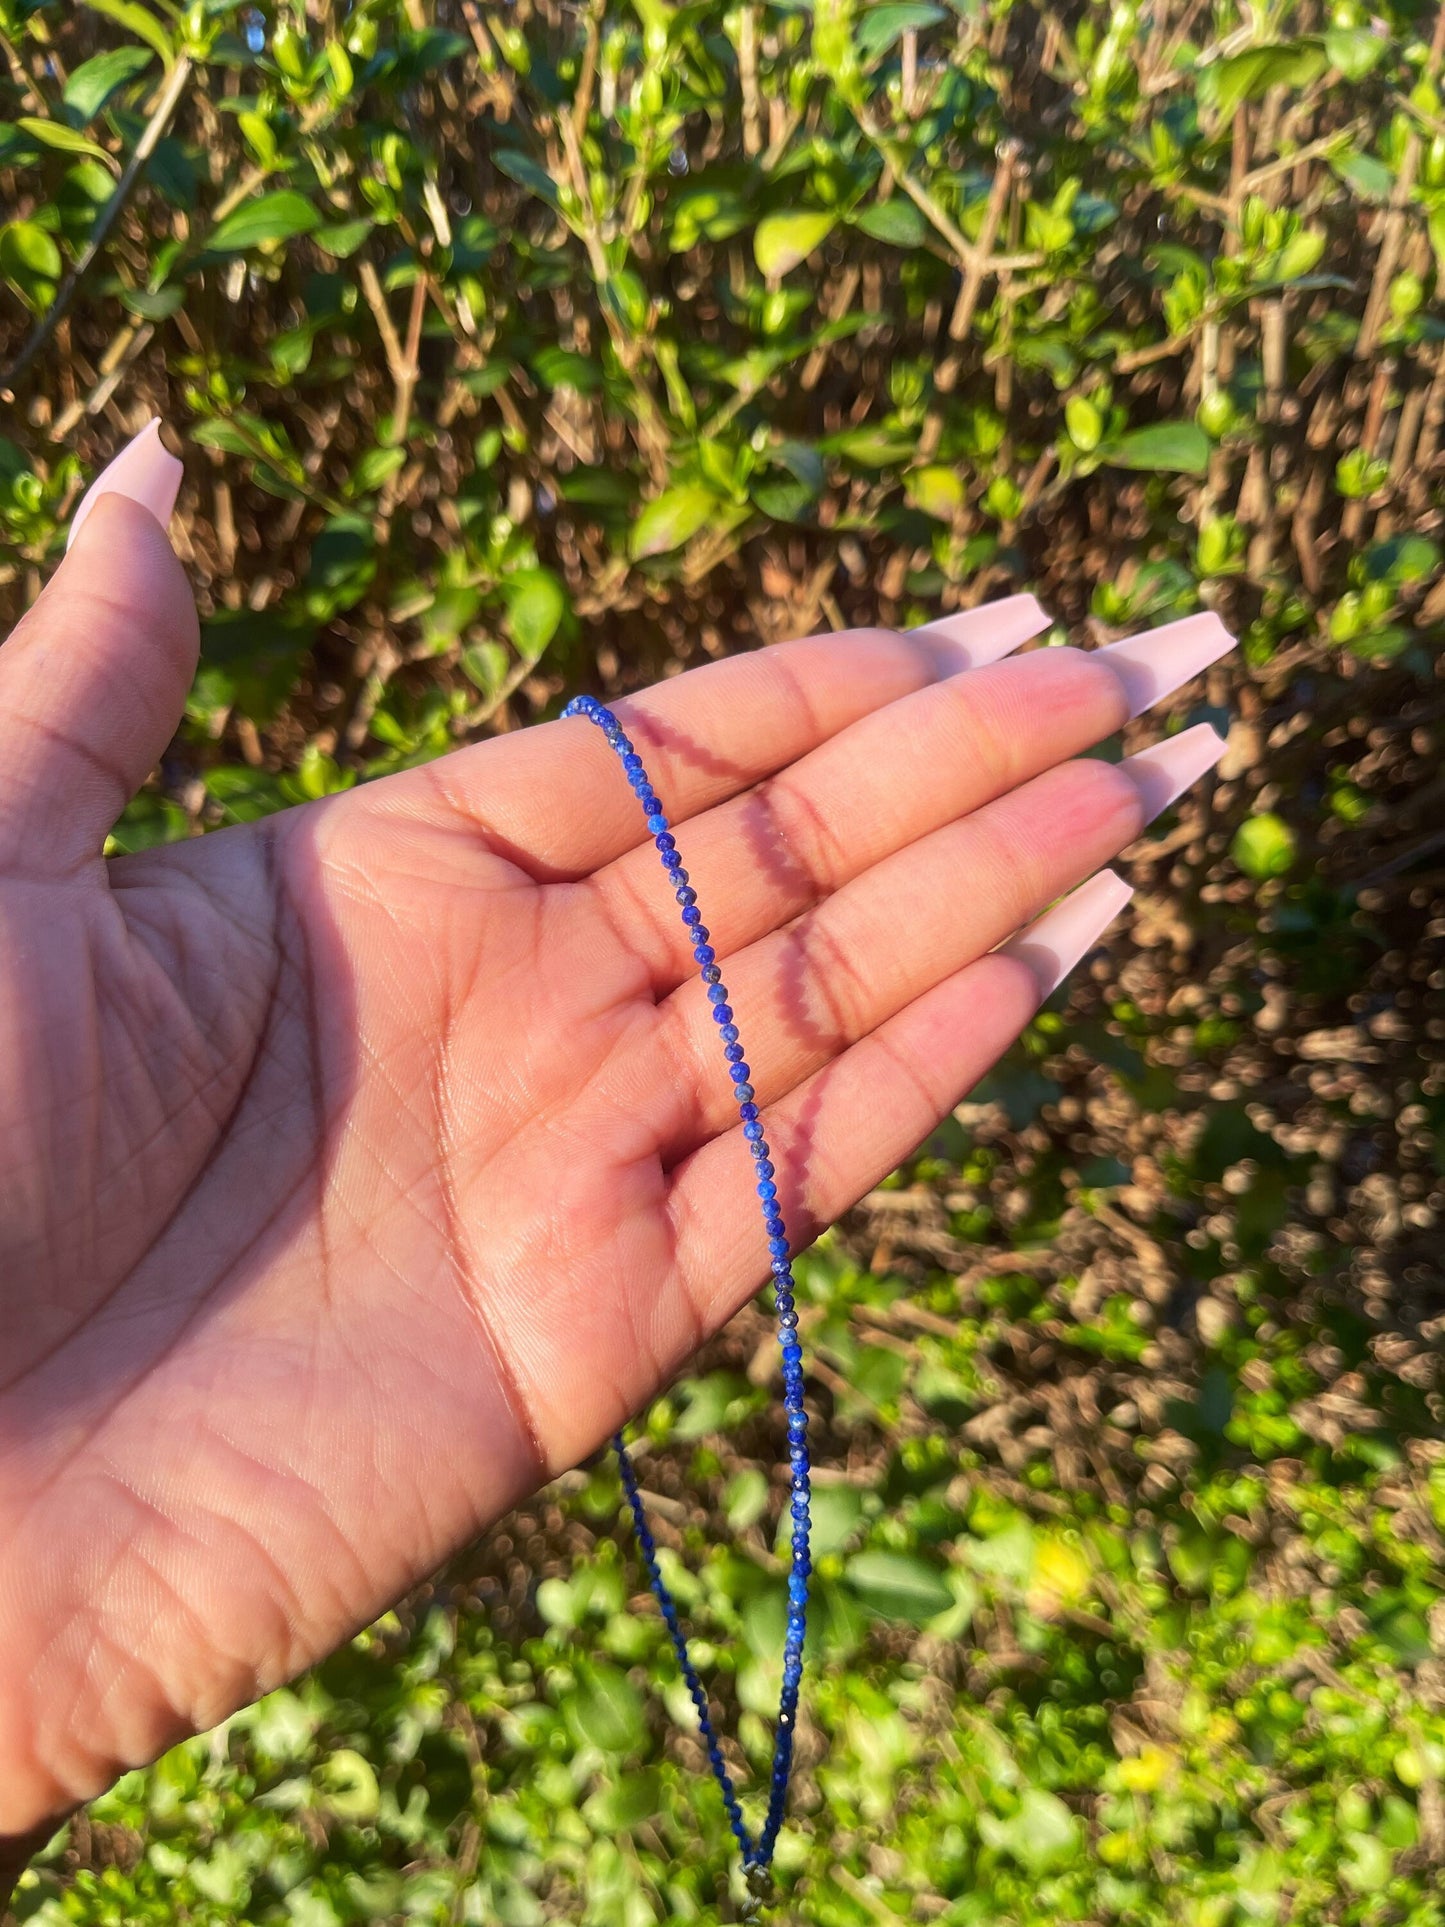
x=1165 y=771
x=145 y=470
x=1154 y=665
x=1053 y=943
x=986 y=634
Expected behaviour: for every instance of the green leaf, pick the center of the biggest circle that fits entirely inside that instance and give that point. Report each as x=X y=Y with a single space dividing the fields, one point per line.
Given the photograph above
x=341 y=238
x=1355 y=51
x=1041 y=1835
x=1227 y=84
x=157 y=306
x=880 y=27
x=274 y=217
x=348 y=1787
x=671 y=519
x=139 y=21
x=1369 y=1865
x=605 y=1710
x=898 y=1585
x=936 y=490
x=1366 y=174
x=898 y=222
x=485 y=664
x=28 y=254
x=1263 y=846
x=95 y=80
x=1182 y=447
x=1084 y=422
x=625 y=1802
x=55 y=133
x=783 y=240
x=536 y=604
x=526 y=173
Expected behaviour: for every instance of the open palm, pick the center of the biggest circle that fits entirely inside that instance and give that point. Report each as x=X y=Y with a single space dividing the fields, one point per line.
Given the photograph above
x=364 y=1166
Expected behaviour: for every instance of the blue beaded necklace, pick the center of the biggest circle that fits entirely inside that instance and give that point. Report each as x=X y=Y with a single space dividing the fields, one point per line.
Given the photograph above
x=757 y=1854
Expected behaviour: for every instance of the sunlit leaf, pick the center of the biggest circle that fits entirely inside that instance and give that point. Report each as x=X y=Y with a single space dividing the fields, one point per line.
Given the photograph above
x=1178 y=447
x=781 y=241
x=673 y=518
x=273 y=217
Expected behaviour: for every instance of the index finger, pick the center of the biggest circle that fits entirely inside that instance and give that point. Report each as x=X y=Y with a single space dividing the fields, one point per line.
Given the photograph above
x=550 y=799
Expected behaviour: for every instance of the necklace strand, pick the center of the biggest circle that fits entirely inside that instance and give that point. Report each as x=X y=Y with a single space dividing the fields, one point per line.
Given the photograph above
x=757 y=1855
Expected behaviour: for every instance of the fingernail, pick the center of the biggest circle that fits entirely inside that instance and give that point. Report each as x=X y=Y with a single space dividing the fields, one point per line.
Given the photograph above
x=1154 y=665
x=1164 y=772
x=145 y=470
x=1053 y=943
x=986 y=634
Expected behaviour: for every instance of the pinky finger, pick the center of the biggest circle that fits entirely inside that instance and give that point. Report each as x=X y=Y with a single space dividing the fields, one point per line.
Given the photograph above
x=846 y=1127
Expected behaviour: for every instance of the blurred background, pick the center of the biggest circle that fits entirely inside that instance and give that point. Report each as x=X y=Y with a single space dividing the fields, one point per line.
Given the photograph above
x=519 y=347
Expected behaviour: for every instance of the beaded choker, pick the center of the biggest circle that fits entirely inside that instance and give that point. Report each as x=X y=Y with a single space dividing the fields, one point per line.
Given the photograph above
x=757 y=1854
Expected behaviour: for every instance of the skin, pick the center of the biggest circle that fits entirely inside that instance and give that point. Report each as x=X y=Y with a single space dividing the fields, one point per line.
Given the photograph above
x=363 y=1167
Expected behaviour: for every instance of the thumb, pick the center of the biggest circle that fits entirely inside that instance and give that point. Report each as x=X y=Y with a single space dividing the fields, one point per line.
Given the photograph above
x=94 y=679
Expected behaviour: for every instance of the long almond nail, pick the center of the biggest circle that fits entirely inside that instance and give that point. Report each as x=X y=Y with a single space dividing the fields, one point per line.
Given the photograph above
x=1154 y=665
x=1053 y=943
x=145 y=470
x=974 y=637
x=1165 y=771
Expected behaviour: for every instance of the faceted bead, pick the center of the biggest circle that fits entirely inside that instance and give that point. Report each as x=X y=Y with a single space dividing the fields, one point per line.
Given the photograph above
x=703 y=953
x=730 y=1033
x=797 y=1424
x=783 y=1302
x=778 y=1247
x=722 y=1013
x=741 y=1071
x=692 y=914
x=767 y=1190
x=632 y=762
x=665 y=841
x=744 y=1092
x=732 y=1052
x=672 y=862
x=711 y=974
x=764 y=1164
x=797 y=1588
x=788 y=1319
x=752 y=1130
x=685 y=895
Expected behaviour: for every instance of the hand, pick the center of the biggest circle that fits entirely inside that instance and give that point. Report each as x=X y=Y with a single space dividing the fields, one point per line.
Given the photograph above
x=365 y=1166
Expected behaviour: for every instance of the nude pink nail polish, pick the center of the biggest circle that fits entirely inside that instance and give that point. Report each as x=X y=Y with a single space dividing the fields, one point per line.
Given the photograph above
x=974 y=637
x=145 y=470
x=1154 y=665
x=1165 y=771
x=1053 y=943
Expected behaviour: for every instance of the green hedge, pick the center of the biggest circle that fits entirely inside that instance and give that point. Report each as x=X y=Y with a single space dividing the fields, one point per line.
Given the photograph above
x=520 y=348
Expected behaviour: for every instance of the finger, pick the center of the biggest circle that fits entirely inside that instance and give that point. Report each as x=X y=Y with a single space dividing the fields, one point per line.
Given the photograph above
x=550 y=797
x=94 y=678
x=757 y=860
x=837 y=1134
x=800 y=996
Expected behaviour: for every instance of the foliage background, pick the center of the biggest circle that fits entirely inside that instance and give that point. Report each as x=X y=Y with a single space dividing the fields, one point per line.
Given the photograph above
x=519 y=346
